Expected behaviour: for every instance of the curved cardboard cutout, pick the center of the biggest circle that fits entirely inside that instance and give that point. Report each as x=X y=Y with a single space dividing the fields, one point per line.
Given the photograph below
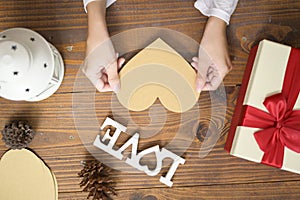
x=24 y=176
x=160 y=72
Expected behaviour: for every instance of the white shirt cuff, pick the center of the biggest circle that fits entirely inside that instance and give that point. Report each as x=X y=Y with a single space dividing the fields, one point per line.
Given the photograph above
x=222 y=9
x=108 y=3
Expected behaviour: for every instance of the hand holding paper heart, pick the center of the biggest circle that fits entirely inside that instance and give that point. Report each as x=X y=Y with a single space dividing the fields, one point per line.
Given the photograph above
x=102 y=63
x=213 y=62
x=101 y=67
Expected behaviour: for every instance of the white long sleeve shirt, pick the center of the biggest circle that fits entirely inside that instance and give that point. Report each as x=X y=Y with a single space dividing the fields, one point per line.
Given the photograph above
x=222 y=9
x=86 y=2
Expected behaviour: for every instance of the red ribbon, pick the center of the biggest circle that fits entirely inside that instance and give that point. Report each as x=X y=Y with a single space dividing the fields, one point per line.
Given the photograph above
x=280 y=126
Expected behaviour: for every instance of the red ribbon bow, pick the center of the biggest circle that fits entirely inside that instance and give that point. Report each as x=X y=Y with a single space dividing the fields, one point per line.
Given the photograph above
x=281 y=125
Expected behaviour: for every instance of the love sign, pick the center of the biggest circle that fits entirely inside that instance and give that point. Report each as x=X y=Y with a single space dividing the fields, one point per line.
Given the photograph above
x=134 y=160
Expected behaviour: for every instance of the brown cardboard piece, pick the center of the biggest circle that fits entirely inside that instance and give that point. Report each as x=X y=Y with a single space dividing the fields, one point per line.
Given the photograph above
x=24 y=176
x=158 y=71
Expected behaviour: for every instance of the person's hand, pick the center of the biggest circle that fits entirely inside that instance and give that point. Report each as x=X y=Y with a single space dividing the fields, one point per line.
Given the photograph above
x=102 y=63
x=101 y=66
x=213 y=62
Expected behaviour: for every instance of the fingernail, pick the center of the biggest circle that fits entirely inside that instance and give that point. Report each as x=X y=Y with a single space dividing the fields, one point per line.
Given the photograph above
x=117 y=88
x=198 y=87
x=122 y=62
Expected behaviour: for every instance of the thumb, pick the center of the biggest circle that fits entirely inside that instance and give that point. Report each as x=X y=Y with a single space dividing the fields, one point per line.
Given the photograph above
x=113 y=76
x=200 y=82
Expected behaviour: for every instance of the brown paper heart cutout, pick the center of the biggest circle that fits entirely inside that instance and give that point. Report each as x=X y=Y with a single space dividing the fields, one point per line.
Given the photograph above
x=158 y=72
x=25 y=176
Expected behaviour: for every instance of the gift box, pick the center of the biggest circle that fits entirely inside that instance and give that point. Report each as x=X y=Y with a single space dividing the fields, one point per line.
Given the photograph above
x=266 y=123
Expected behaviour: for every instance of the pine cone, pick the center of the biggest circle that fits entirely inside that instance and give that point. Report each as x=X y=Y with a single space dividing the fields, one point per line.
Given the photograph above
x=96 y=180
x=17 y=135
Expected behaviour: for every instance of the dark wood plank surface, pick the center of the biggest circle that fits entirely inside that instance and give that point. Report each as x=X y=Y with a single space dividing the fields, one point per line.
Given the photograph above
x=219 y=175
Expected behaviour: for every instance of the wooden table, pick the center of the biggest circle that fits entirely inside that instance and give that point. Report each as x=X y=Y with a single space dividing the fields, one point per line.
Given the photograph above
x=217 y=176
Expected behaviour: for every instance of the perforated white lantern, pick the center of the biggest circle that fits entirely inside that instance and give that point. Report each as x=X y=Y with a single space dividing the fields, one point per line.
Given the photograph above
x=31 y=69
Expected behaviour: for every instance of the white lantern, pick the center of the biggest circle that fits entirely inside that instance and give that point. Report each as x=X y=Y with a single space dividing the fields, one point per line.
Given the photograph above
x=31 y=69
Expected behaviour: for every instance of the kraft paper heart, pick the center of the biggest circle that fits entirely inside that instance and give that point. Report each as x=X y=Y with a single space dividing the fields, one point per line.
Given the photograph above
x=158 y=72
x=24 y=176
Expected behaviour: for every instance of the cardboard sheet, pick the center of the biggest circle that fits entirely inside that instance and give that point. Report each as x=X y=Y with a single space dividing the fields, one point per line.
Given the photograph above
x=24 y=176
x=158 y=71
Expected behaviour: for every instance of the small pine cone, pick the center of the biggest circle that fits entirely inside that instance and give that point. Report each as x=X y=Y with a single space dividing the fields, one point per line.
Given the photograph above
x=96 y=180
x=17 y=135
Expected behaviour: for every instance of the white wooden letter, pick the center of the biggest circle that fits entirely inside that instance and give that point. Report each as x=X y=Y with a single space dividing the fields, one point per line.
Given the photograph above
x=112 y=139
x=134 y=141
x=134 y=161
x=176 y=161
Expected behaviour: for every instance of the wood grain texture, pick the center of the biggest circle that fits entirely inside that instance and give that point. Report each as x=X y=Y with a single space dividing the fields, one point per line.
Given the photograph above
x=264 y=191
x=63 y=23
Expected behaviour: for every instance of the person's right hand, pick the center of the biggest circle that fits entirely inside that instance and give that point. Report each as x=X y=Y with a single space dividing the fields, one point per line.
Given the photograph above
x=101 y=66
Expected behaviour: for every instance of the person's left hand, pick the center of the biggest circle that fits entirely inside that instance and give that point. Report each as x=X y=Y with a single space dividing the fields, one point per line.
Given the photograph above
x=213 y=61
